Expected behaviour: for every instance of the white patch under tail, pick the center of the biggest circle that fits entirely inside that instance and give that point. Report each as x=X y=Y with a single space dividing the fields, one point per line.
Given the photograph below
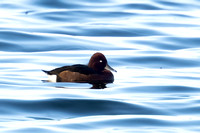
x=52 y=78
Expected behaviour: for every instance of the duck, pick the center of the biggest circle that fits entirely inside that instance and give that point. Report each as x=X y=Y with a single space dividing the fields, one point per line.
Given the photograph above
x=97 y=72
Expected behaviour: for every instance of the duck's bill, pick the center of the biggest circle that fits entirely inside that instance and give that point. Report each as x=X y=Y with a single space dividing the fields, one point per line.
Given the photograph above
x=110 y=68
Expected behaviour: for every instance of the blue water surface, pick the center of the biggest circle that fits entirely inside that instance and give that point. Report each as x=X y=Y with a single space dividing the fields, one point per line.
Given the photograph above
x=153 y=44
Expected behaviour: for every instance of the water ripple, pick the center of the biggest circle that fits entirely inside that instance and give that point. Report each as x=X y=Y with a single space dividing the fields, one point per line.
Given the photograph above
x=72 y=108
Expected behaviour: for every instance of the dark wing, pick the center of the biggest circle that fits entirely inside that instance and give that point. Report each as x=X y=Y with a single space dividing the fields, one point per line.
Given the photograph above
x=83 y=69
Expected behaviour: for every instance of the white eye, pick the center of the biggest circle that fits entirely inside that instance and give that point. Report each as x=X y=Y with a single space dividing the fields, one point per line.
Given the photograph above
x=101 y=61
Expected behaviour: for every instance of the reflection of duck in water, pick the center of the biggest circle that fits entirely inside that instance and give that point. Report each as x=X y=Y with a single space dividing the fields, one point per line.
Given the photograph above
x=97 y=72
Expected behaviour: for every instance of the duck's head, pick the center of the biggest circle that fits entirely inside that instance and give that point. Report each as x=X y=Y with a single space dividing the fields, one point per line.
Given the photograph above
x=98 y=62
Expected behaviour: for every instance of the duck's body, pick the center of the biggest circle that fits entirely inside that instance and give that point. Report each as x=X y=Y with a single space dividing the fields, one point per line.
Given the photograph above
x=96 y=72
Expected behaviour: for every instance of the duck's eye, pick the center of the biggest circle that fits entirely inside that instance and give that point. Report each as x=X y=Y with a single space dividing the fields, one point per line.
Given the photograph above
x=100 y=61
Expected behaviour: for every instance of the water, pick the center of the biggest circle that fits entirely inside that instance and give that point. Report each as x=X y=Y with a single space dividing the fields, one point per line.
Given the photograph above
x=154 y=46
